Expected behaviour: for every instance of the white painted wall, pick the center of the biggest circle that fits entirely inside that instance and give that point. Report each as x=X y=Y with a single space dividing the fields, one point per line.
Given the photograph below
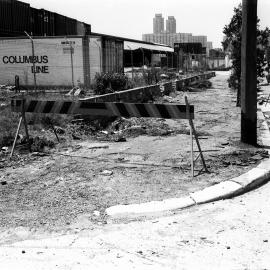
x=53 y=55
x=215 y=63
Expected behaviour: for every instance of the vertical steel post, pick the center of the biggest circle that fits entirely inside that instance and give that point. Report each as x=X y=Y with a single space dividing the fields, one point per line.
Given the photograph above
x=248 y=73
x=167 y=61
x=100 y=59
x=191 y=137
x=142 y=57
x=132 y=65
x=131 y=55
x=191 y=151
x=33 y=57
x=71 y=59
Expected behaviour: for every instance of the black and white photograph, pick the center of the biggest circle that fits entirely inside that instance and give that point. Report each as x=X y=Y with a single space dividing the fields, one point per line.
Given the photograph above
x=134 y=135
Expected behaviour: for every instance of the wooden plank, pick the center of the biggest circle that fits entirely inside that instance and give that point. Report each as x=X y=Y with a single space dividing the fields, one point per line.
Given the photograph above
x=156 y=110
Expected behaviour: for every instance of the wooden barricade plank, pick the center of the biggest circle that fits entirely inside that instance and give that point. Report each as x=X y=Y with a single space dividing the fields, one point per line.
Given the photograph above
x=167 y=111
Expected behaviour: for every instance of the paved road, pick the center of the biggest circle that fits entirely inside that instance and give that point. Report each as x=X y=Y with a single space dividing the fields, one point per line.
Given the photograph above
x=231 y=234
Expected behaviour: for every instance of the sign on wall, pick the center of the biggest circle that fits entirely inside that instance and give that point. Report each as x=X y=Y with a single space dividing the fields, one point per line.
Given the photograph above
x=39 y=61
x=57 y=61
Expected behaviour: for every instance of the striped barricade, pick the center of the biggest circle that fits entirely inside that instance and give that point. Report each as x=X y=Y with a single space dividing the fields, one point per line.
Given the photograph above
x=167 y=111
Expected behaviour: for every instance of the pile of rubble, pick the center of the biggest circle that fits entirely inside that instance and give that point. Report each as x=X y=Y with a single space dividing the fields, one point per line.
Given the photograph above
x=118 y=129
x=239 y=158
x=7 y=87
x=199 y=85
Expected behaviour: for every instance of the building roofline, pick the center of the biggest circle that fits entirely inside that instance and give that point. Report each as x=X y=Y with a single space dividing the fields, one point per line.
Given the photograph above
x=126 y=39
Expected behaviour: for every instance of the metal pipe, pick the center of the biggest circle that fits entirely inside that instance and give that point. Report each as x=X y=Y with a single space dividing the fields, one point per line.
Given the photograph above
x=100 y=59
x=33 y=58
x=167 y=61
x=142 y=57
x=71 y=59
x=131 y=61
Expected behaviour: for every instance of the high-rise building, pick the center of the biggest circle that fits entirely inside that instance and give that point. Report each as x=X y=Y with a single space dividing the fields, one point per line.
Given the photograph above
x=171 y=25
x=158 y=24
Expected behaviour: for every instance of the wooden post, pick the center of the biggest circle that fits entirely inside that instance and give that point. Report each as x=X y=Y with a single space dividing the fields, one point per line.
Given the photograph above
x=248 y=73
x=25 y=125
x=191 y=152
x=16 y=136
x=191 y=138
x=55 y=132
x=193 y=132
x=26 y=131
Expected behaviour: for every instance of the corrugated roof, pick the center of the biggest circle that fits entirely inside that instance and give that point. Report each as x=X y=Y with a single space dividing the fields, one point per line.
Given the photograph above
x=153 y=47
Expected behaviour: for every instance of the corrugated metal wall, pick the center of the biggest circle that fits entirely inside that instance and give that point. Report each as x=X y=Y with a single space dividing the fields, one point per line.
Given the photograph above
x=113 y=55
x=95 y=52
x=6 y=16
x=17 y=17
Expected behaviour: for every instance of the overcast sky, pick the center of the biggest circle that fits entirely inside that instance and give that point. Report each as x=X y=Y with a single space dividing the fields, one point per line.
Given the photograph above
x=132 y=18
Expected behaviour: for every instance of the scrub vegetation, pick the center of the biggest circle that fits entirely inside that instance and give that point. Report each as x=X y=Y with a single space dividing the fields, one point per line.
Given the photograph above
x=232 y=43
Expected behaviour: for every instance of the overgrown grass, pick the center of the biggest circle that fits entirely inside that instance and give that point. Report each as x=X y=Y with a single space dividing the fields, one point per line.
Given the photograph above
x=8 y=124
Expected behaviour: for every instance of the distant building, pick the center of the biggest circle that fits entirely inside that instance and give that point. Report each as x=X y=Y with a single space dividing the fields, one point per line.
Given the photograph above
x=188 y=48
x=170 y=38
x=209 y=46
x=217 y=53
x=218 y=59
x=158 y=24
x=171 y=25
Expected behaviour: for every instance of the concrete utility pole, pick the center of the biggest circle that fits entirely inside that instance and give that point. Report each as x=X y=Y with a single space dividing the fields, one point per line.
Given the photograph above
x=248 y=73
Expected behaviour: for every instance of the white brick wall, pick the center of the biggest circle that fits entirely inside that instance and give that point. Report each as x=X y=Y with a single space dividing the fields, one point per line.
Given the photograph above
x=56 y=62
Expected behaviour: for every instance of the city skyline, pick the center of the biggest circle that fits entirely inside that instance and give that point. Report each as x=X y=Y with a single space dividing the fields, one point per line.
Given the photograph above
x=159 y=26
x=169 y=36
x=132 y=19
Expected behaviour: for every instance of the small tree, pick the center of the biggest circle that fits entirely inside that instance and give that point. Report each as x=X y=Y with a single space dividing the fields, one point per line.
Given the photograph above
x=110 y=82
x=232 y=43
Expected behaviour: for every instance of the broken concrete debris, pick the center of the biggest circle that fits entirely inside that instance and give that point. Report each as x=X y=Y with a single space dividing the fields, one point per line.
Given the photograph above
x=106 y=173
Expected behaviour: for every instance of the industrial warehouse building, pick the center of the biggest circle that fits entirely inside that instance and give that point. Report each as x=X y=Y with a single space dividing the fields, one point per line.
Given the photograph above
x=64 y=52
x=70 y=61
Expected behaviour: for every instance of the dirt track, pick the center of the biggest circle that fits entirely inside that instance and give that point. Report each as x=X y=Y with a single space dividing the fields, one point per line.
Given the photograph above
x=52 y=192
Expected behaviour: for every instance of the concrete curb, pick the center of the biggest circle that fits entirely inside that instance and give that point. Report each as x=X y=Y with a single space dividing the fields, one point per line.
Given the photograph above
x=224 y=190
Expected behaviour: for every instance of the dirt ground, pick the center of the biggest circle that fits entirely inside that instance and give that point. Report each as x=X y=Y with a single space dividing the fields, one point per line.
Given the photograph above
x=151 y=161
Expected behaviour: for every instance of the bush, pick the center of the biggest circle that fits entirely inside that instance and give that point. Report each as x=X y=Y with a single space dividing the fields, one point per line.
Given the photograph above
x=232 y=43
x=110 y=82
x=151 y=76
